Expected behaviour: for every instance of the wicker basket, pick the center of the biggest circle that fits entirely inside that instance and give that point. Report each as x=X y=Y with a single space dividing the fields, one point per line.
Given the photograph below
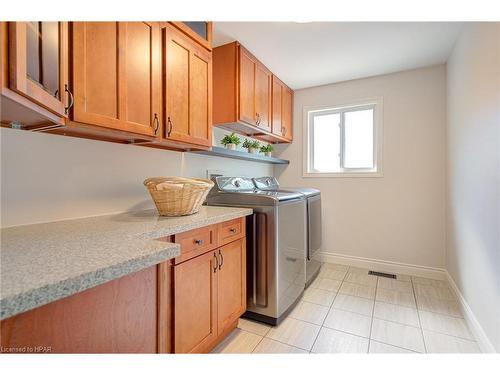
x=178 y=196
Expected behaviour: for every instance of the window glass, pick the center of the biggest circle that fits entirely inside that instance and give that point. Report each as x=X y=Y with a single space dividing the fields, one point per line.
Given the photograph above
x=198 y=27
x=358 y=139
x=326 y=140
x=342 y=140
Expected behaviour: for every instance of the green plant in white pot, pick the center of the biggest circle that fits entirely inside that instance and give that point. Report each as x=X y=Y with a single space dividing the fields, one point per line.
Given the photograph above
x=251 y=145
x=267 y=149
x=230 y=141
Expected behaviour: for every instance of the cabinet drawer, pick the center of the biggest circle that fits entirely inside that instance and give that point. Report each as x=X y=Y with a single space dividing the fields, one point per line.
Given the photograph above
x=231 y=230
x=196 y=242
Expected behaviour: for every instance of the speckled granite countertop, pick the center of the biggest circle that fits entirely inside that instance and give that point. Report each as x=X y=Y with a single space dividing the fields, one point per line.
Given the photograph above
x=42 y=263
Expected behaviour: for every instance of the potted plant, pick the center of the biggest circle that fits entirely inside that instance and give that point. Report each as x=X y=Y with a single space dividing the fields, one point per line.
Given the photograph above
x=230 y=141
x=251 y=145
x=266 y=149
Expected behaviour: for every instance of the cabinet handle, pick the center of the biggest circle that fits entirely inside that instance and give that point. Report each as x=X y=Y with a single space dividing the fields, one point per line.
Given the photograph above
x=71 y=99
x=216 y=262
x=221 y=260
x=257 y=121
x=232 y=230
x=170 y=126
x=198 y=242
x=283 y=130
x=157 y=121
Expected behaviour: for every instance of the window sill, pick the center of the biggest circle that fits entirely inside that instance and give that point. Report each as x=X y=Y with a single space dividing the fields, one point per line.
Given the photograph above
x=343 y=174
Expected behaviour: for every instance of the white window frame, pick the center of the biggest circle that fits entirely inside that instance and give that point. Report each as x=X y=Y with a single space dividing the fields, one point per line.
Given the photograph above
x=307 y=157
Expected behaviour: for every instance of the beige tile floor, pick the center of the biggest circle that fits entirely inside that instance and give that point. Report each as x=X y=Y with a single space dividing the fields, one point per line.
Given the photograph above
x=346 y=310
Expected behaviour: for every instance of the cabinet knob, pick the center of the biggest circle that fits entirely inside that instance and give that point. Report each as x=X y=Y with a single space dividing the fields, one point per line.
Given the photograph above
x=232 y=230
x=198 y=242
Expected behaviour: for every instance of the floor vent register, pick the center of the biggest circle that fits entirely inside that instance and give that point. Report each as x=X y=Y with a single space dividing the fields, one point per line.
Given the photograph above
x=382 y=274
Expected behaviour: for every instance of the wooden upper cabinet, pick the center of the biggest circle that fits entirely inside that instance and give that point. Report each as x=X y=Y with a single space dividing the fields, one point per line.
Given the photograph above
x=195 y=306
x=243 y=95
x=231 y=284
x=116 y=75
x=38 y=63
x=187 y=90
x=282 y=98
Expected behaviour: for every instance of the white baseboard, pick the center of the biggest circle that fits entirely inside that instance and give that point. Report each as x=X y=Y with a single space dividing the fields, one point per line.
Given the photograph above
x=478 y=332
x=383 y=265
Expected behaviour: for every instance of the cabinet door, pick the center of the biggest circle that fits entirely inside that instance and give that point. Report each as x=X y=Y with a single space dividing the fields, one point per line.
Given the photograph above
x=247 y=88
x=231 y=281
x=139 y=74
x=277 y=96
x=200 y=97
x=38 y=63
x=263 y=97
x=188 y=90
x=116 y=75
x=287 y=114
x=195 y=306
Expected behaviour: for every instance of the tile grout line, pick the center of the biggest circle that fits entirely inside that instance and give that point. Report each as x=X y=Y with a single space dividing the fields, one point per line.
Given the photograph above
x=437 y=313
x=281 y=342
x=356 y=313
x=373 y=314
x=284 y=343
x=261 y=338
x=366 y=316
x=418 y=315
x=329 y=309
x=399 y=347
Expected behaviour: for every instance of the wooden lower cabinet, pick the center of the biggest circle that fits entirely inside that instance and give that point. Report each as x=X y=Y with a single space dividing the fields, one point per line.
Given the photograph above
x=185 y=306
x=119 y=316
x=209 y=297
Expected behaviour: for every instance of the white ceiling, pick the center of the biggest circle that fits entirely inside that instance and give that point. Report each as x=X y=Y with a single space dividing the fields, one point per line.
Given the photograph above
x=318 y=53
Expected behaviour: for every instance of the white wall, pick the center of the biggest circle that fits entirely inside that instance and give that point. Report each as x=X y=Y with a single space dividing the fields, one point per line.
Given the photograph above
x=399 y=217
x=49 y=177
x=473 y=187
